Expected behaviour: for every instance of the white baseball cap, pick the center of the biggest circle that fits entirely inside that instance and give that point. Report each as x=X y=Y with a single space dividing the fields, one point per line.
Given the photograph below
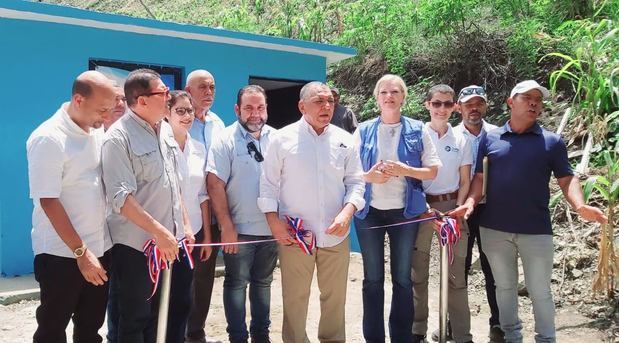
x=528 y=85
x=470 y=92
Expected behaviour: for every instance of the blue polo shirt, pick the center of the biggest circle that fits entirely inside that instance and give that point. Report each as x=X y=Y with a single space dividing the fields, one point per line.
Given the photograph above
x=519 y=168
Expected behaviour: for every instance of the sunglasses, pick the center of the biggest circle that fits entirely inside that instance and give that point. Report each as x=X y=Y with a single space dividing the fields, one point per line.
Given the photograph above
x=251 y=148
x=181 y=111
x=472 y=90
x=438 y=104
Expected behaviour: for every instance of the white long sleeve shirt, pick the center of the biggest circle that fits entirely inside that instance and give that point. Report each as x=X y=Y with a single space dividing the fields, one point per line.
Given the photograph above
x=312 y=177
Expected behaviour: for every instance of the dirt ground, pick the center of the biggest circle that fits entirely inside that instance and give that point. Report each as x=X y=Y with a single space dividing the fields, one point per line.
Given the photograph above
x=17 y=321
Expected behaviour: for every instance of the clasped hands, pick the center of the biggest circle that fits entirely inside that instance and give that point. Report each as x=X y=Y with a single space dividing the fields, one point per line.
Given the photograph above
x=382 y=171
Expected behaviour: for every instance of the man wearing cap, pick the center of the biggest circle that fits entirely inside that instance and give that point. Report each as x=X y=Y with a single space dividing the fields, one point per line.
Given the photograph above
x=343 y=117
x=473 y=104
x=516 y=221
x=445 y=192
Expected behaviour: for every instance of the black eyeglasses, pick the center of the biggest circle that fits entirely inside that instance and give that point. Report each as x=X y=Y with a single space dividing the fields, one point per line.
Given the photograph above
x=251 y=148
x=472 y=90
x=181 y=111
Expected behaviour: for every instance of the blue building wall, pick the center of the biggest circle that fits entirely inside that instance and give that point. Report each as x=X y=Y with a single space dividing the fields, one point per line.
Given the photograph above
x=41 y=59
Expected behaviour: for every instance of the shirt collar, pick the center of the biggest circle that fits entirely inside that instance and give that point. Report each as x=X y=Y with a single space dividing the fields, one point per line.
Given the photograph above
x=484 y=128
x=434 y=133
x=143 y=123
x=208 y=116
x=70 y=124
x=245 y=134
x=535 y=128
x=306 y=126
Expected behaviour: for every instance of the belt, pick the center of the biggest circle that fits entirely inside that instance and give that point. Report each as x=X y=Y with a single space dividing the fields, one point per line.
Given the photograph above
x=442 y=197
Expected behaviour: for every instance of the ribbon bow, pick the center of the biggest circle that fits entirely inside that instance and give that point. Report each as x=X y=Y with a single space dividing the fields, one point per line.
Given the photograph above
x=449 y=235
x=305 y=238
x=156 y=264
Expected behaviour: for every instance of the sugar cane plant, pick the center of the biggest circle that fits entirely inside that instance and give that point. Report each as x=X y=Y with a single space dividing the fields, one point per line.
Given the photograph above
x=593 y=72
x=607 y=186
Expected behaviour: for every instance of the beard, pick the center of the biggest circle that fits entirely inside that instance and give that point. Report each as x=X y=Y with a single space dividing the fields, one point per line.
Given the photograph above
x=252 y=127
x=475 y=121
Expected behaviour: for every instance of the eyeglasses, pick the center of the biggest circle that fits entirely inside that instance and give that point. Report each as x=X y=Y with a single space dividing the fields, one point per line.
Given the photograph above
x=472 y=90
x=181 y=111
x=251 y=148
x=166 y=92
x=438 y=104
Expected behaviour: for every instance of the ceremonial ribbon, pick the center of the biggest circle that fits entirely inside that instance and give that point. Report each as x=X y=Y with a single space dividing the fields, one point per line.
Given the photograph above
x=305 y=238
x=232 y=243
x=449 y=235
x=417 y=220
x=156 y=264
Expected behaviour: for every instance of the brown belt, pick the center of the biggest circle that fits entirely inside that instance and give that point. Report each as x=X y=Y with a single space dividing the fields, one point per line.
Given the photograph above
x=442 y=197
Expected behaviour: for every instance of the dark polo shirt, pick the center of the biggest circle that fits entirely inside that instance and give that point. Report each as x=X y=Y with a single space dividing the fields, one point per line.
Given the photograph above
x=519 y=168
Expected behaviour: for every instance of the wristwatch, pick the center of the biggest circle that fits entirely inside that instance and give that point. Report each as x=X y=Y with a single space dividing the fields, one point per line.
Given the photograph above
x=79 y=252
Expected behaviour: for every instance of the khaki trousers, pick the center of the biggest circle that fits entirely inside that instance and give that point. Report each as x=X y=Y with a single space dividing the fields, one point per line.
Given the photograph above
x=297 y=270
x=458 y=302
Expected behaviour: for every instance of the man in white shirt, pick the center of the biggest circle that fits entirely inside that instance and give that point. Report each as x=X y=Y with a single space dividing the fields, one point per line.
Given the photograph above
x=312 y=171
x=69 y=234
x=473 y=104
x=234 y=167
x=444 y=193
x=206 y=125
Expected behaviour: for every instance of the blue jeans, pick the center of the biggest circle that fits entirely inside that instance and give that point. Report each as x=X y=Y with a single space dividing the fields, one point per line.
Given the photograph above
x=536 y=253
x=253 y=265
x=401 y=241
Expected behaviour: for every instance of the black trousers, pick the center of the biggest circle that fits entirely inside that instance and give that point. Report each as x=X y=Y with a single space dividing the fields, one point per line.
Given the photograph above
x=473 y=223
x=140 y=314
x=137 y=314
x=202 y=287
x=66 y=295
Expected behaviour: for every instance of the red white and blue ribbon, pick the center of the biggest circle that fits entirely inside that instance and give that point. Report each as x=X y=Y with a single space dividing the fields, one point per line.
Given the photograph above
x=305 y=238
x=412 y=221
x=156 y=264
x=449 y=234
x=232 y=243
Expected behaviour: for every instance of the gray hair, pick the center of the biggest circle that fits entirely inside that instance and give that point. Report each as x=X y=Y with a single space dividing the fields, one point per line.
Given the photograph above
x=306 y=90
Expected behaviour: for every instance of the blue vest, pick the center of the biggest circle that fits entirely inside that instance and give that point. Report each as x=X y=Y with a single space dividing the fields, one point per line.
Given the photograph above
x=410 y=148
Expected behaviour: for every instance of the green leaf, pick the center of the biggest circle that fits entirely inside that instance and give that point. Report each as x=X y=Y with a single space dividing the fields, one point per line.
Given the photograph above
x=614 y=191
x=587 y=188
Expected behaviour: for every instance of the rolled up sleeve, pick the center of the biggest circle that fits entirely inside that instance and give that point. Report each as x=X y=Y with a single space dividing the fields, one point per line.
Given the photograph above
x=270 y=179
x=117 y=171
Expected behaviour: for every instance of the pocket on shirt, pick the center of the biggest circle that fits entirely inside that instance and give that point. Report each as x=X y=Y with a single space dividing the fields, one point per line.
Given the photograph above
x=337 y=158
x=149 y=166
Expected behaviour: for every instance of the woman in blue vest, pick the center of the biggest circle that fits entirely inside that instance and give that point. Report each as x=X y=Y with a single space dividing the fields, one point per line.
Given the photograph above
x=396 y=153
